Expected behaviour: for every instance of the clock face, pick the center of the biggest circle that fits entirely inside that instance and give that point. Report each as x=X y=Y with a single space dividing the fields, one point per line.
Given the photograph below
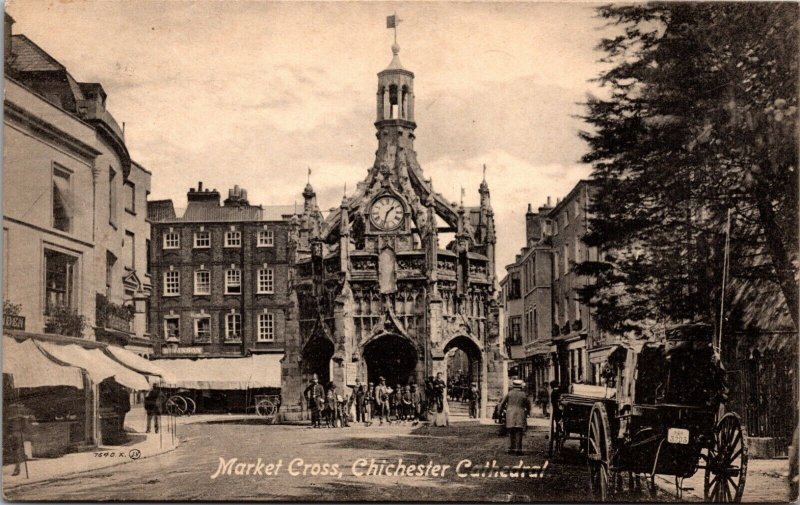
x=387 y=213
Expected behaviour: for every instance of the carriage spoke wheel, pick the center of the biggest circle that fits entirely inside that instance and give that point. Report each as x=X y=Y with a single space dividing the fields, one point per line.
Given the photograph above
x=176 y=405
x=598 y=452
x=265 y=408
x=726 y=464
x=191 y=406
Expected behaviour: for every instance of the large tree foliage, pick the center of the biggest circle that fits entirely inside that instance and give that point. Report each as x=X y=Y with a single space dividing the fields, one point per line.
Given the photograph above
x=700 y=118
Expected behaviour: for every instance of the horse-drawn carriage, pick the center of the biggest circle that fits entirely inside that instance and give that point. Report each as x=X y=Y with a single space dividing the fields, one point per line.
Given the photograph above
x=660 y=413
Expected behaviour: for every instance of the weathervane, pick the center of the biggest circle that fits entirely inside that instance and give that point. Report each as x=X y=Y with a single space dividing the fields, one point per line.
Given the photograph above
x=392 y=22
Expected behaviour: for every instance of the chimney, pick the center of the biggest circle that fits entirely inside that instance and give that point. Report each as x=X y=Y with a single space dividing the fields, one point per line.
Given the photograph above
x=533 y=226
x=548 y=201
x=237 y=197
x=202 y=197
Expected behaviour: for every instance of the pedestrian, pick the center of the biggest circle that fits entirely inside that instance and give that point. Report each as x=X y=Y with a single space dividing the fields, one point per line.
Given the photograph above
x=359 y=399
x=369 y=403
x=406 y=404
x=123 y=406
x=382 y=392
x=397 y=403
x=474 y=399
x=17 y=427
x=315 y=396
x=331 y=406
x=418 y=402
x=442 y=416
x=153 y=403
x=517 y=406
x=542 y=398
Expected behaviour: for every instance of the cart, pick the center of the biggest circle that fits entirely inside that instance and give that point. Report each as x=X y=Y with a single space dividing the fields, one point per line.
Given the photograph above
x=664 y=416
x=267 y=406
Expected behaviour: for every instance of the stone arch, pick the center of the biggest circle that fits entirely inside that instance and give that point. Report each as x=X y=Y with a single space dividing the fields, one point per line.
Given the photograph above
x=458 y=385
x=315 y=358
x=392 y=356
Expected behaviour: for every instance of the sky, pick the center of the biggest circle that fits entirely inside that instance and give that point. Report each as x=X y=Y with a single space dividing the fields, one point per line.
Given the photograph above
x=253 y=93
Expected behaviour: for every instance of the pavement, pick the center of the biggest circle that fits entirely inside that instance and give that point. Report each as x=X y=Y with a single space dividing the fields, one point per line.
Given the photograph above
x=140 y=445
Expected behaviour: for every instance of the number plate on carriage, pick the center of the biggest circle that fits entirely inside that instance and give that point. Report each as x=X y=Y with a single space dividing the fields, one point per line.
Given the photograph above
x=678 y=436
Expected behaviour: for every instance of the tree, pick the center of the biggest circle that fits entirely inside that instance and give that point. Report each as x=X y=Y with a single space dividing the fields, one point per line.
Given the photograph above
x=700 y=119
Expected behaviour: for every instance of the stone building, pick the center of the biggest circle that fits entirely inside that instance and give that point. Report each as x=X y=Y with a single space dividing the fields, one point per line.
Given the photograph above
x=395 y=277
x=74 y=225
x=221 y=273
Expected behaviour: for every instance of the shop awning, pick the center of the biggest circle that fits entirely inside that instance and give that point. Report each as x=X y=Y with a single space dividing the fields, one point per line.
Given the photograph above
x=32 y=369
x=257 y=371
x=601 y=354
x=97 y=364
x=138 y=363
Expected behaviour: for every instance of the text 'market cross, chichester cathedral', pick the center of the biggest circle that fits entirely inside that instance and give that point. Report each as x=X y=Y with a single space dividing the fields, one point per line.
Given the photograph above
x=397 y=277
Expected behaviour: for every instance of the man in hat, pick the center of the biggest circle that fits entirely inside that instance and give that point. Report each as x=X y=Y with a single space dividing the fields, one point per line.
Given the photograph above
x=152 y=406
x=382 y=393
x=418 y=402
x=517 y=407
x=359 y=394
x=315 y=396
x=474 y=398
x=369 y=403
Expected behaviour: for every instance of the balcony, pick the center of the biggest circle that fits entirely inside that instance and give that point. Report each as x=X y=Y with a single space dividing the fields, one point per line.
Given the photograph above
x=111 y=316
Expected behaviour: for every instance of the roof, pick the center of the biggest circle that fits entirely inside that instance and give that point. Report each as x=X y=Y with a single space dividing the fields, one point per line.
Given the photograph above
x=160 y=210
x=570 y=196
x=204 y=213
x=31 y=58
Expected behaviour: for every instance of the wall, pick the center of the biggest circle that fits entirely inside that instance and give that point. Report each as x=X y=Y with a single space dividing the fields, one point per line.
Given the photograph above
x=29 y=158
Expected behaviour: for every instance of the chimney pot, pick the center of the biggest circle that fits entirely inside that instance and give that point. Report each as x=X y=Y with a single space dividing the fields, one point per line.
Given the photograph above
x=548 y=201
x=200 y=186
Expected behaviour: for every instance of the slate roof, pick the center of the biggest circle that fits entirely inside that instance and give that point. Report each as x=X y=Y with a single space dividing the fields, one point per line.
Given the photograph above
x=160 y=210
x=204 y=213
x=31 y=58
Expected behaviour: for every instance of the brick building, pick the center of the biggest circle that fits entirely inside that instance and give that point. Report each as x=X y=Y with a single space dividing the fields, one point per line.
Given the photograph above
x=220 y=275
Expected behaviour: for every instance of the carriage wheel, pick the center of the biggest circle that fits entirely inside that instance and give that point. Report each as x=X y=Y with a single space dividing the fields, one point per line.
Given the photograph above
x=191 y=406
x=726 y=464
x=176 y=405
x=265 y=408
x=598 y=453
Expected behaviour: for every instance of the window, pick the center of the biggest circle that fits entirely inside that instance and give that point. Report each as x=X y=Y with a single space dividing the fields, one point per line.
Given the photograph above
x=62 y=200
x=172 y=283
x=130 y=197
x=266 y=282
x=111 y=260
x=577 y=310
x=202 y=239
x=233 y=282
x=202 y=282
x=577 y=253
x=147 y=254
x=266 y=328
x=233 y=326
x=566 y=259
x=59 y=280
x=555 y=226
x=557 y=314
x=514 y=290
x=233 y=239
x=130 y=250
x=566 y=216
x=171 y=326
x=112 y=196
x=172 y=240
x=535 y=326
x=515 y=333
x=266 y=238
x=202 y=329
x=555 y=266
x=147 y=316
x=577 y=206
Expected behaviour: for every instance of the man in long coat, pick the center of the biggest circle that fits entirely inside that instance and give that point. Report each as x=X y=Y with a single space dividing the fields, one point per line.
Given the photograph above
x=517 y=407
x=382 y=392
x=315 y=396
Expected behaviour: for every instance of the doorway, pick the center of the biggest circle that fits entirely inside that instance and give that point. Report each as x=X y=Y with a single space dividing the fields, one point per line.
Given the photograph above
x=391 y=357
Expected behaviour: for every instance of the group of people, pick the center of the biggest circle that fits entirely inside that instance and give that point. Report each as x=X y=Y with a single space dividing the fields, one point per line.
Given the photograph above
x=409 y=403
x=464 y=391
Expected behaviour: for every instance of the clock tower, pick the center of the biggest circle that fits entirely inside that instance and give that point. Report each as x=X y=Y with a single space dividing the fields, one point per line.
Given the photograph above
x=397 y=277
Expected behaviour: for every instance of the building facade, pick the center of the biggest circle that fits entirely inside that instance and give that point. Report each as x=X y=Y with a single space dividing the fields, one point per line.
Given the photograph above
x=574 y=331
x=70 y=210
x=220 y=275
x=395 y=277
